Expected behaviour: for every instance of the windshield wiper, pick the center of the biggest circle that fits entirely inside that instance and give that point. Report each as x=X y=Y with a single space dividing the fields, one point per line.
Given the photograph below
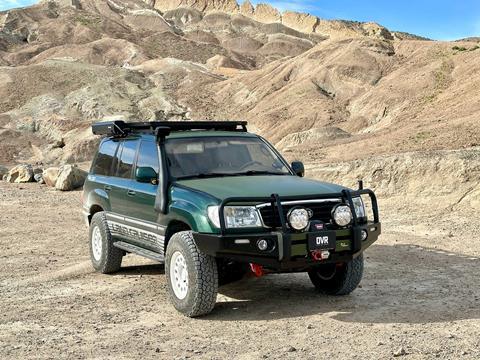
x=204 y=176
x=260 y=172
x=214 y=175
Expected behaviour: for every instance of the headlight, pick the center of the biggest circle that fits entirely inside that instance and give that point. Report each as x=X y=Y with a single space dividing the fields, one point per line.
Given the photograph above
x=342 y=215
x=235 y=216
x=242 y=217
x=298 y=218
x=359 y=207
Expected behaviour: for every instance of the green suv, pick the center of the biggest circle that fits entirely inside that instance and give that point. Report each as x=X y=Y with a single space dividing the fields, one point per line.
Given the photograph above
x=213 y=202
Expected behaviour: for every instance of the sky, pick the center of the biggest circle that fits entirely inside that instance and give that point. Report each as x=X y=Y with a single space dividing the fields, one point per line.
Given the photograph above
x=435 y=19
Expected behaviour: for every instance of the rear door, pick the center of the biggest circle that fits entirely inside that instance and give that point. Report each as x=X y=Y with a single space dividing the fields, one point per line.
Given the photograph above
x=120 y=183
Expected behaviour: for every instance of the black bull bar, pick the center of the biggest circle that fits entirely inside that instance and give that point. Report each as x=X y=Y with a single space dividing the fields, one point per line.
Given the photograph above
x=276 y=201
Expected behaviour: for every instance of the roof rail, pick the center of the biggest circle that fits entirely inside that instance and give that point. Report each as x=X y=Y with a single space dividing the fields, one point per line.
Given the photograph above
x=121 y=128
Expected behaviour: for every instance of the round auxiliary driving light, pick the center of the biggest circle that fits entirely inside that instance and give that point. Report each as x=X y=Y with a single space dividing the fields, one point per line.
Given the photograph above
x=298 y=218
x=342 y=215
x=262 y=244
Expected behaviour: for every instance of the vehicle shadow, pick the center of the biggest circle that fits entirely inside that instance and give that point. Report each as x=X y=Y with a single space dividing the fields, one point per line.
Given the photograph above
x=402 y=284
x=149 y=269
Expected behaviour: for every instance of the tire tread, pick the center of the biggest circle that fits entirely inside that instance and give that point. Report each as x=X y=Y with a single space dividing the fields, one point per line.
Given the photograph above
x=112 y=259
x=205 y=296
x=343 y=283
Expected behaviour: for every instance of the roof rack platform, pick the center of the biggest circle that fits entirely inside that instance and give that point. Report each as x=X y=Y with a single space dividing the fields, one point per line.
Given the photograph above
x=121 y=128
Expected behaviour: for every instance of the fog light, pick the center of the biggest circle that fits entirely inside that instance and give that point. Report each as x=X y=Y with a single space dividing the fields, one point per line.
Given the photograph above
x=298 y=218
x=364 y=235
x=262 y=244
x=342 y=215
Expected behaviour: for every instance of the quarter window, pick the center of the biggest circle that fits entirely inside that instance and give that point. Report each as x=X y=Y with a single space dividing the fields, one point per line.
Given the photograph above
x=104 y=160
x=127 y=158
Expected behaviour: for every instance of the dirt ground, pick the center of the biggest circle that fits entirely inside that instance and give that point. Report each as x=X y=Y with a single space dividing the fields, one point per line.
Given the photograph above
x=421 y=292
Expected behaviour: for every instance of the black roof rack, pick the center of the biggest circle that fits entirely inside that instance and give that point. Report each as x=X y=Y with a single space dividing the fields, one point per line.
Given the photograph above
x=121 y=128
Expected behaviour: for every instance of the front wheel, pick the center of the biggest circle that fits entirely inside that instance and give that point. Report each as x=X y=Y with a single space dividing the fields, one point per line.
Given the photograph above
x=192 y=276
x=338 y=279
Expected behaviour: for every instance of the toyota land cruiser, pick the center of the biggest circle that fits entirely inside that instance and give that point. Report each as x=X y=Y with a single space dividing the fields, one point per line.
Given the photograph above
x=212 y=201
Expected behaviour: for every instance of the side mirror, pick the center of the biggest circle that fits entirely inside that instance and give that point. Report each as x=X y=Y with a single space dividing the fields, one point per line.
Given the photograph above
x=298 y=168
x=146 y=175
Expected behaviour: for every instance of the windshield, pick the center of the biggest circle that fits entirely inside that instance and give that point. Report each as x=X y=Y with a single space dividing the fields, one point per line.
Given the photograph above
x=222 y=156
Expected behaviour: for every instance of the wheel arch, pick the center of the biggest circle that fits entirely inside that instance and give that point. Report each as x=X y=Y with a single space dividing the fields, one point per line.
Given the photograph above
x=174 y=227
x=93 y=210
x=95 y=201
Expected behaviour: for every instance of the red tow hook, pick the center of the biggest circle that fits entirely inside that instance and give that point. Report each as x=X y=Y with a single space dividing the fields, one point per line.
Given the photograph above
x=257 y=270
x=319 y=255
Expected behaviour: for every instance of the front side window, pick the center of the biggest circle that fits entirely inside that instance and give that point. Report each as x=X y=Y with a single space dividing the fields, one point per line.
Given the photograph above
x=126 y=159
x=222 y=156
x=103 y=162
x=148 y=156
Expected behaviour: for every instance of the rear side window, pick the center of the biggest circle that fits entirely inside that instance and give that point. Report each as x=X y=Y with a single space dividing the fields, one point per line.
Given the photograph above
x=127 y=158
x=104 y=160
x=148 y=156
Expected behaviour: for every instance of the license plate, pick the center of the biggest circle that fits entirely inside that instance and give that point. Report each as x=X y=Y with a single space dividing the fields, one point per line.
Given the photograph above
x=322 y=240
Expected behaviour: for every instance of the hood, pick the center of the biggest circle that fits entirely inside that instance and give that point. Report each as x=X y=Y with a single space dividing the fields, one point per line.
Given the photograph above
x=260 y=186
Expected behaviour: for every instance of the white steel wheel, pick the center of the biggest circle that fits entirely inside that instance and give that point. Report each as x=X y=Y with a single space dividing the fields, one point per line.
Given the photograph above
x=179 y=275
x=192 y=276
x=105 y=257
x=97 y=245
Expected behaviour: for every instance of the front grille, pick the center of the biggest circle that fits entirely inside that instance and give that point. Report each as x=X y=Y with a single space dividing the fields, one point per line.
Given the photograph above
x=321 y=211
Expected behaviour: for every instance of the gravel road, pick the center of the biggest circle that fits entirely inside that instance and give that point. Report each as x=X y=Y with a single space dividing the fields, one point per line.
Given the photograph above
x=419 y=298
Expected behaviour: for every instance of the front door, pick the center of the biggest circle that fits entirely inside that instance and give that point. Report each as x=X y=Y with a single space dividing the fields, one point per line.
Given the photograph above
x=142 y=197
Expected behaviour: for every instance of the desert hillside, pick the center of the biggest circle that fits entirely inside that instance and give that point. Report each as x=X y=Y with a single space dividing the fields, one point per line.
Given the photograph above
x=322 y=91
x=352 y=100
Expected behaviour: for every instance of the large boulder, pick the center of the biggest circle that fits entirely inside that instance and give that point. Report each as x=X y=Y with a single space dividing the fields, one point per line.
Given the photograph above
x=50 y=176
x=20 y=174
x=71 y=177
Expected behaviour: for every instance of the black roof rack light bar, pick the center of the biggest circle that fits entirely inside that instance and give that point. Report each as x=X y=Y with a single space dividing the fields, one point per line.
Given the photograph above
x=121 y=128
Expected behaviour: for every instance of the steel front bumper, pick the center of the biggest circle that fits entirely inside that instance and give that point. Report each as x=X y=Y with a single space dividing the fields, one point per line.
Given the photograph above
x=290 y=250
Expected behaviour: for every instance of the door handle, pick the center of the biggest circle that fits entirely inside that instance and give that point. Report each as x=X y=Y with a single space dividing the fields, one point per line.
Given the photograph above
x=107 y=188
x=131 y=193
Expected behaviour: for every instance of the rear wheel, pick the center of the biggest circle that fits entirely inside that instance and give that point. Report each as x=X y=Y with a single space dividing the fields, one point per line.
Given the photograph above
x=192 y=276
x=338 y=279
x=105 y=257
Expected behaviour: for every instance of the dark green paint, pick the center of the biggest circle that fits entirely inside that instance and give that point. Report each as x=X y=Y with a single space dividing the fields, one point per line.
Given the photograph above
x=188 y=200
x=261 y=186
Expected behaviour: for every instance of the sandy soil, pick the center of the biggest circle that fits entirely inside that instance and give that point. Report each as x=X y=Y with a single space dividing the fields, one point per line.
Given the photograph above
x=420 y=292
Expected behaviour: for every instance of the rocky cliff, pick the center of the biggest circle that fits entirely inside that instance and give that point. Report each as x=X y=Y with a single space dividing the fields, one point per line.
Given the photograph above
x=322 y=91
x=267 y=14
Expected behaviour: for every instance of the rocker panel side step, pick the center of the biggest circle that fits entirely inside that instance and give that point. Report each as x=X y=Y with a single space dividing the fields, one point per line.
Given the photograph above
x=139 y=251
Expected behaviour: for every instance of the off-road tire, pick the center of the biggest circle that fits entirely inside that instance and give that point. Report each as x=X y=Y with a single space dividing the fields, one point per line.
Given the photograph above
x=111 y=258
x=344 y=278
x=202 y=276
